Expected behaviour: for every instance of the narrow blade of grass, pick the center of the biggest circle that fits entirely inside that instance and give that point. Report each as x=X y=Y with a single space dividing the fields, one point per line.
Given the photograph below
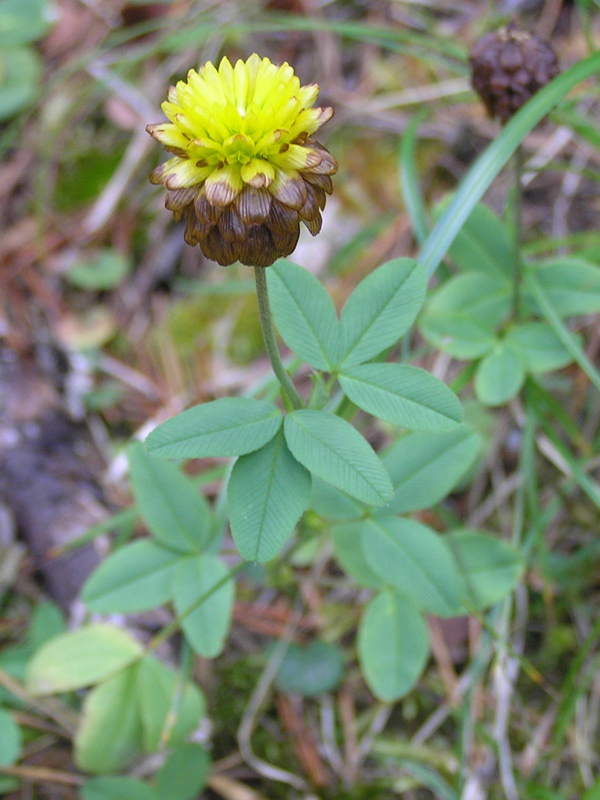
x=561 y=330
x=409 y=181
x=489 y=164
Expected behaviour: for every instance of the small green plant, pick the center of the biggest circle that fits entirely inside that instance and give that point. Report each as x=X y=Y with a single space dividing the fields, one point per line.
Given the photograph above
x=470 y=315
x=303 y=470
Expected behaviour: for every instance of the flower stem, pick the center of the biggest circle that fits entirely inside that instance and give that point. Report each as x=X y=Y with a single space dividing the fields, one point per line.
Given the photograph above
x=266 y=325
x=517 y=226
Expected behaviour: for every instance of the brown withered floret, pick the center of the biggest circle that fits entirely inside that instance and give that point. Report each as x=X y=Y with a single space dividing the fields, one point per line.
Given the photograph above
x=258 y=226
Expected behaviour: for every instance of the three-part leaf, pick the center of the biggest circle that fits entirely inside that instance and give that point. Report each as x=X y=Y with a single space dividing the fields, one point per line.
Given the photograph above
x=231 y=426
x=268 y=491
x=331 y=448
x=402 y=395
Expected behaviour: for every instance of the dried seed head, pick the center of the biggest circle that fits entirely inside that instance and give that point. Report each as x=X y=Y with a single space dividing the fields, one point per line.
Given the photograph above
x=245 y=171
x=508 y=67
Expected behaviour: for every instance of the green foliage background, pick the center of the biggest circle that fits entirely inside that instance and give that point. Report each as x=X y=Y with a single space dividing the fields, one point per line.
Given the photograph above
x=439 y=475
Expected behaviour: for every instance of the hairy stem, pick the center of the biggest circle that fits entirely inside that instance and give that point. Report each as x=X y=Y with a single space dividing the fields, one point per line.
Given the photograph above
x=266 y=325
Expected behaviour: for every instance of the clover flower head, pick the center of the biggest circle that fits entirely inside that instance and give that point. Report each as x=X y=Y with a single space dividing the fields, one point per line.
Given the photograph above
x=508 y=66
x=245 y=171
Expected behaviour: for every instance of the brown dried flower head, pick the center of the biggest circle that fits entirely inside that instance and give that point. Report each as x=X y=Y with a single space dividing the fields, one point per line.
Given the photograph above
x=508 y=67
x=245 y=171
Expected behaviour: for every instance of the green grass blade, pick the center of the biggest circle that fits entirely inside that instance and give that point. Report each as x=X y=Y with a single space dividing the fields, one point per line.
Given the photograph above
x=588 y=486
x=574 y=685
x=561 y=330
x=578 y=123
x=489 y=164
x=417 y=43
x=409 y=182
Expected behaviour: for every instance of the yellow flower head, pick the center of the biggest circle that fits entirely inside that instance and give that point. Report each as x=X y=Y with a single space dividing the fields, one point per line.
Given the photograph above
x=244 y=171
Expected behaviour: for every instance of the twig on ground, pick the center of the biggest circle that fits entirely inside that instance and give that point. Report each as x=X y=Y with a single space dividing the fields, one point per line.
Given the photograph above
x=259 y=695
x=348 y=720
x=46 y=706
x=33 y=774
x=442 y=657
x=328 y=742
x=289 y=709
